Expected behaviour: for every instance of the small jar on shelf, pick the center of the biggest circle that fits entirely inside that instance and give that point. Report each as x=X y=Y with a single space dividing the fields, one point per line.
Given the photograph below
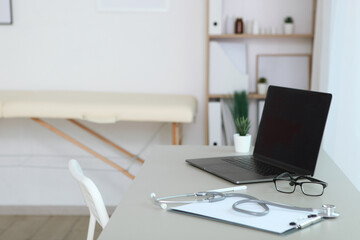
x=239 y=26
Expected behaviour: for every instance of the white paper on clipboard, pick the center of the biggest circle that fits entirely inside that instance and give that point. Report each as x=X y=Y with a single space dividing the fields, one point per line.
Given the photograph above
x=276 y=221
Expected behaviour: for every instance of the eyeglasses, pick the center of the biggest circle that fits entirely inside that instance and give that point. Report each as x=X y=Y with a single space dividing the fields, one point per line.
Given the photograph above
x=286 y=183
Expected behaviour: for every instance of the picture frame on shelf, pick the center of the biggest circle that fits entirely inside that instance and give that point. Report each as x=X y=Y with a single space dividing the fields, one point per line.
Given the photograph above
x=287 y=70
x=6 y=12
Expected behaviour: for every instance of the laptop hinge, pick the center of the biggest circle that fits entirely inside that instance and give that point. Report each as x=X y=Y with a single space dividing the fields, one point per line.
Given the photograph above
x=282 y=165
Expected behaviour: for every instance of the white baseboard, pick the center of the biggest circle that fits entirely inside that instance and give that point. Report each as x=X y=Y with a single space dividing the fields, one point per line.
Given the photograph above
x=48 y=210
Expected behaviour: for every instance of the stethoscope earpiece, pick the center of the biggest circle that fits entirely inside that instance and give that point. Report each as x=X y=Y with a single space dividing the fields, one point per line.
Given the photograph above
x=155 y=201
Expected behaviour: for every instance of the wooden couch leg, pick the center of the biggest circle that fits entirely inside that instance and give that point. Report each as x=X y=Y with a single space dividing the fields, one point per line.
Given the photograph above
x=87 y=149
x=107 y=141
x=176 y=133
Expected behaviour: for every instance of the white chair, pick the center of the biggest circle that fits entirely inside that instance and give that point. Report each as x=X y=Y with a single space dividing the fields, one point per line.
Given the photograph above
x=92 y=197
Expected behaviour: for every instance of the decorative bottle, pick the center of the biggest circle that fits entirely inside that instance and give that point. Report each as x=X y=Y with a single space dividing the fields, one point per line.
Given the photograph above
x=239 y=26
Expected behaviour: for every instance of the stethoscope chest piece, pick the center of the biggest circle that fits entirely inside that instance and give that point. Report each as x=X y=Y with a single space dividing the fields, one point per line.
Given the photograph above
x=328 y=211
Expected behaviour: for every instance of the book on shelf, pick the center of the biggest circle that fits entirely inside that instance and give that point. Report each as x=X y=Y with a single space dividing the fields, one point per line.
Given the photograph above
x=215 y=129
x=227 y=121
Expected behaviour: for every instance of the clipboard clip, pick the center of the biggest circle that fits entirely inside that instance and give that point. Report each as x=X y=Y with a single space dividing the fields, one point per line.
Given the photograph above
x=327 y=211
x=303 y=223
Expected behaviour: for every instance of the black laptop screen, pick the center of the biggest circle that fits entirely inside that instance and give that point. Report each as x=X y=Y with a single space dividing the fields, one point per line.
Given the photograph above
x=292 y=127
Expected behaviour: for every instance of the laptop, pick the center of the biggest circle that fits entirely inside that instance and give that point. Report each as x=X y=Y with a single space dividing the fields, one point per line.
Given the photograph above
x=288 y=140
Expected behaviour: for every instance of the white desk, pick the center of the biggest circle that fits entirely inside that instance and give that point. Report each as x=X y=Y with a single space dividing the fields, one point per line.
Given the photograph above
x=166 y=173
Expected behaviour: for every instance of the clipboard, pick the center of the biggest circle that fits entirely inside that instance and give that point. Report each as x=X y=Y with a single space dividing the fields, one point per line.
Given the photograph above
x=278 y=220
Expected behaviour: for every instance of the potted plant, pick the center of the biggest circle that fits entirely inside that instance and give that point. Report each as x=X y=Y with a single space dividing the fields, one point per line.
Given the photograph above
x=242 y=139
x=240 y=106
x=288 y=25
x=240 y=112
x=262 y=86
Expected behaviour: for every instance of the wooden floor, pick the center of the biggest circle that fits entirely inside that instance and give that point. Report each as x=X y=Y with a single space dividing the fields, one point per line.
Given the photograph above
x=45 y=227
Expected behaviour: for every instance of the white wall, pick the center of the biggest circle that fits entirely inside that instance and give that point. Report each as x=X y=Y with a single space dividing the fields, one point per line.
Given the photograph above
x=337 y=58
x=70 y=45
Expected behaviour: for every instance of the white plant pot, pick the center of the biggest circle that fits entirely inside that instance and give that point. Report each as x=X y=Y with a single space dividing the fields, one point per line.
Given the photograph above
x=262 y=88
x=242 y=143
x=288 y=28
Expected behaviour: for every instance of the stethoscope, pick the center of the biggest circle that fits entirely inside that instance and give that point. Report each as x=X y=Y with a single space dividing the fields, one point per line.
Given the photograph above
x=326 y=211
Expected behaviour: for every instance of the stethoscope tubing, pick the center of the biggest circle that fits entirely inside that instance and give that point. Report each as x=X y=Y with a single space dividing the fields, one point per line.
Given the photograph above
x=216 y=196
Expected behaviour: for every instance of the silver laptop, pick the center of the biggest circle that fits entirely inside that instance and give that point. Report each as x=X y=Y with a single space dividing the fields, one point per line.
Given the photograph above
x=289 y=138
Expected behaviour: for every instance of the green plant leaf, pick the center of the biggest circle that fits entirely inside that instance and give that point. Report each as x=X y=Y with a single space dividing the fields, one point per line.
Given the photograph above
x=241 y=107
x=242 y=125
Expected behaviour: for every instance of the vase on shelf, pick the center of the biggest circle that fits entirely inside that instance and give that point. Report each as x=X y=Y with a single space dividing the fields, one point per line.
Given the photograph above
x=255 y=28
x=230 y=21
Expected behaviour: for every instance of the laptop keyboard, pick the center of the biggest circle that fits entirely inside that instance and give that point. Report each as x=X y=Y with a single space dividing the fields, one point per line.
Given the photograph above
x=258 y=167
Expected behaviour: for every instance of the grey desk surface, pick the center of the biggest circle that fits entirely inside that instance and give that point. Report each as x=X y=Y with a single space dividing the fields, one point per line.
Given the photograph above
x=166 y=173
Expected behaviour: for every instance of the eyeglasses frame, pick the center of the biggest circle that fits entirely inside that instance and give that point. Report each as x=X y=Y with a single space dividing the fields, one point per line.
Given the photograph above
x=294 y=181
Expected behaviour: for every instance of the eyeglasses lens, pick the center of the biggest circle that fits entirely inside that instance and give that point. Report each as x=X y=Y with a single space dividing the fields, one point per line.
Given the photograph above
x=285 y=185
x=312 y=189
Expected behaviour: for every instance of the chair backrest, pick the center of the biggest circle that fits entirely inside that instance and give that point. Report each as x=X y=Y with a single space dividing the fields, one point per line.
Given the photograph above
x=91 y=194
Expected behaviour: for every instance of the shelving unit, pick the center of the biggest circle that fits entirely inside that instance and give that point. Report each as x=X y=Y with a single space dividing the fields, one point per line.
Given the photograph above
x=266 y=36
x=260 y=39
x=250 y=96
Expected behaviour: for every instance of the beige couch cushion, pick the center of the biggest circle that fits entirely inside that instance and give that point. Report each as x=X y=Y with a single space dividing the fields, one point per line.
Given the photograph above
x=98 y=107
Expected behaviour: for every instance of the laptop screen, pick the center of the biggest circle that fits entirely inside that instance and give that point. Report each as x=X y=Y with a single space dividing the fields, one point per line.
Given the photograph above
x=291 y=128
